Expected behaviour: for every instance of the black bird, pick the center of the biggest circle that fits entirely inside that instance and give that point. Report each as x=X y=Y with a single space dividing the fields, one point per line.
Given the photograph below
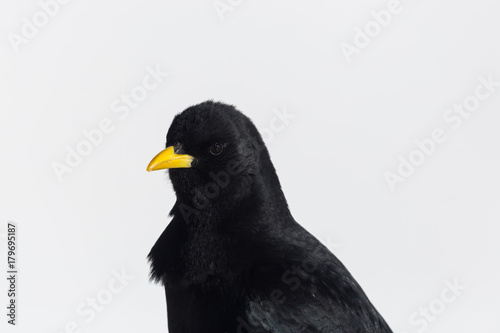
x=233 y=259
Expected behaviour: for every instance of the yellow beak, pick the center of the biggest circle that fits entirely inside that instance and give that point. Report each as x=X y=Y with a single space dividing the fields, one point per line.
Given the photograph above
x=168 y=159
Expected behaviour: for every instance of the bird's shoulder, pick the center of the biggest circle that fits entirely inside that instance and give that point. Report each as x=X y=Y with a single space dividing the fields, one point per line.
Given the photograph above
x=300 y=286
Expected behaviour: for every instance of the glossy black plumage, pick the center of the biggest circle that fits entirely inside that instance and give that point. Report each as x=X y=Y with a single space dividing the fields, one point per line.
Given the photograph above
x=233 y=259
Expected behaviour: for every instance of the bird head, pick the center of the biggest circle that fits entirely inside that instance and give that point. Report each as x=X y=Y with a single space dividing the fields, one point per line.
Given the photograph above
x=214 y=156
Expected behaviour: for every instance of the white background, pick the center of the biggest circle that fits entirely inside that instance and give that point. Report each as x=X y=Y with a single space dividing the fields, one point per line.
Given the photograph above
x=352 y=122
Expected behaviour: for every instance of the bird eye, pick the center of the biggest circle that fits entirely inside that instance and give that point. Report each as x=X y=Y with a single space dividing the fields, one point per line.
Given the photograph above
x=216 y=148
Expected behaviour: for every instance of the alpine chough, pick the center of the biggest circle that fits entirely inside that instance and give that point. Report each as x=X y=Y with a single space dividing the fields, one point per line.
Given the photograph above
x=233 y=259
